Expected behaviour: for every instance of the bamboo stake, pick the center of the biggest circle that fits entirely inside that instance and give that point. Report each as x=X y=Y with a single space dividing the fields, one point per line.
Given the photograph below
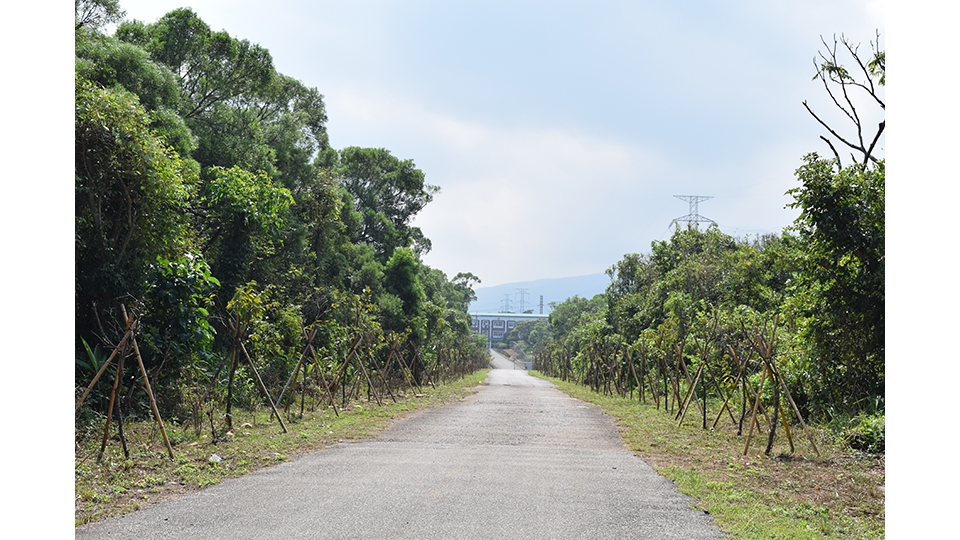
x=756 y=405
x=403 y=369
x=636 y=380
x=263 y=387
x=296 y=369
x=123 y=342
x=721 y=391
x=339 y=379
x=778 y=378
x=727 y=396
x=383 y=380
x=370 y=385
x=690 y=392
x=786 y=427
x=686 y=373
x=796 y=411
x=319 y=368
x=113 y=397
x=429 y=380
x=153 y=401
x=749 y=394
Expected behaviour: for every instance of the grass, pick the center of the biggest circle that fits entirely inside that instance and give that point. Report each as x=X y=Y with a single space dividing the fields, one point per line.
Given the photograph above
x=118 y=485
x=785 y=495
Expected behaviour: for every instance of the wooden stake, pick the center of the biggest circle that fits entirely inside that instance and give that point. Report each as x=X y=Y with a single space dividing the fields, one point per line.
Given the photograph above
x=319 y=368
x=756 y=405
x=153 y=401
x=113 y=397
x=690 y=392
x=263 y=387
x=786 y=427
x=796 y=410
x=727 y=396
x=123 y=342
x=686 y=373
x=296 y=369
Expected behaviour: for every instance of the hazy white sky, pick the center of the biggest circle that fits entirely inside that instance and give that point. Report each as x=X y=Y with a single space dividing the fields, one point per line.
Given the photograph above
x=559 y=132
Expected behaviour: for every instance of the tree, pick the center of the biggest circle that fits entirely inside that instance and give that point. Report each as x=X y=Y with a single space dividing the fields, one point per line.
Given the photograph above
x=94 y=14
x=212 y=67
x=131 y=194
x=841 y=84
x=242 y=216
x=114 y=64
x=388 y=193
x=463 y=284
x=227 y=88
x=839 y=293
x=177 y=330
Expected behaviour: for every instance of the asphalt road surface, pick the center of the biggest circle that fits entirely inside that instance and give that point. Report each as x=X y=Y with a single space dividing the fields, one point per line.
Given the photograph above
x=518 y=459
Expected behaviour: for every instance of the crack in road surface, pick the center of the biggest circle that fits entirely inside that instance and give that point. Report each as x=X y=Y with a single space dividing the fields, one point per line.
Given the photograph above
x=518 y=459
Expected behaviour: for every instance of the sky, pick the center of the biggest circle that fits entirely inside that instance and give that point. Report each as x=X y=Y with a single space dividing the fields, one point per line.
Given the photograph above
x=559 y=132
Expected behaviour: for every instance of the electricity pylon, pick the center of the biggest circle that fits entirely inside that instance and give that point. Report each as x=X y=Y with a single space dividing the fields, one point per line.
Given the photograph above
x=523 y=293
x=694 y=215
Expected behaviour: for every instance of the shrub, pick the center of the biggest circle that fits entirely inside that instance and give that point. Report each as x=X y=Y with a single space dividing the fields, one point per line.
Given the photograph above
x=866 y=433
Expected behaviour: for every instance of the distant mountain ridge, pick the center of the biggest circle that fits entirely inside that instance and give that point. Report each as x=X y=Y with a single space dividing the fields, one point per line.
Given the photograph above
x=494 y=299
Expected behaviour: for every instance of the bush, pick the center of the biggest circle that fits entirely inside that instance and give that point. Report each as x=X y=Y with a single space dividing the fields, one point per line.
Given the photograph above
x=866 y=433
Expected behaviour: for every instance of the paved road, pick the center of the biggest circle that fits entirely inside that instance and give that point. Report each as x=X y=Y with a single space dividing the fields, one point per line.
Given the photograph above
x=502 y=362
x=518 y=459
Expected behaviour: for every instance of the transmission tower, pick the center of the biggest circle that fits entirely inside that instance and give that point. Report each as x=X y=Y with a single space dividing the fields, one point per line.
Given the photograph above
x=694 y=215
x=506 y=304
x=522 y=293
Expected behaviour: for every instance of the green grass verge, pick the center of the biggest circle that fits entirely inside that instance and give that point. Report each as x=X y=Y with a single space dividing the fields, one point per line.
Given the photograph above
x=118 y=485
x=784 y=495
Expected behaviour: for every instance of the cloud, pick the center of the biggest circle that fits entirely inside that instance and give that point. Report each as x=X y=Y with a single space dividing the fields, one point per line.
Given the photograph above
x=516 y=202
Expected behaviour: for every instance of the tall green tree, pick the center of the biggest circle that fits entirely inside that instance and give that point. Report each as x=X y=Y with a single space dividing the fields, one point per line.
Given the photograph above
x=388 y=193
x=241 y=220
x=94 y=14
x=114 y=64
x=839 y=293
x=131 y=193
x=212 y=66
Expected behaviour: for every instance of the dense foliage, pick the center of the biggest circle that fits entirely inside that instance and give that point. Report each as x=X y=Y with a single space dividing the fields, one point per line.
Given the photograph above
x=705 y=300
x=211 y=206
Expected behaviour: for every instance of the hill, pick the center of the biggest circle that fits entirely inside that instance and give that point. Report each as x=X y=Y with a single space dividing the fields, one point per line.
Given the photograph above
x=495 y=299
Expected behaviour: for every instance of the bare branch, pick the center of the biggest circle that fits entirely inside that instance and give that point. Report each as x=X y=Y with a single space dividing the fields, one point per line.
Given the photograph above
x=827 y=79
x=837 y=155
x=832 y=73
x=832 y=132
x=868 y=155
x=869 y=87
x=854 y=116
